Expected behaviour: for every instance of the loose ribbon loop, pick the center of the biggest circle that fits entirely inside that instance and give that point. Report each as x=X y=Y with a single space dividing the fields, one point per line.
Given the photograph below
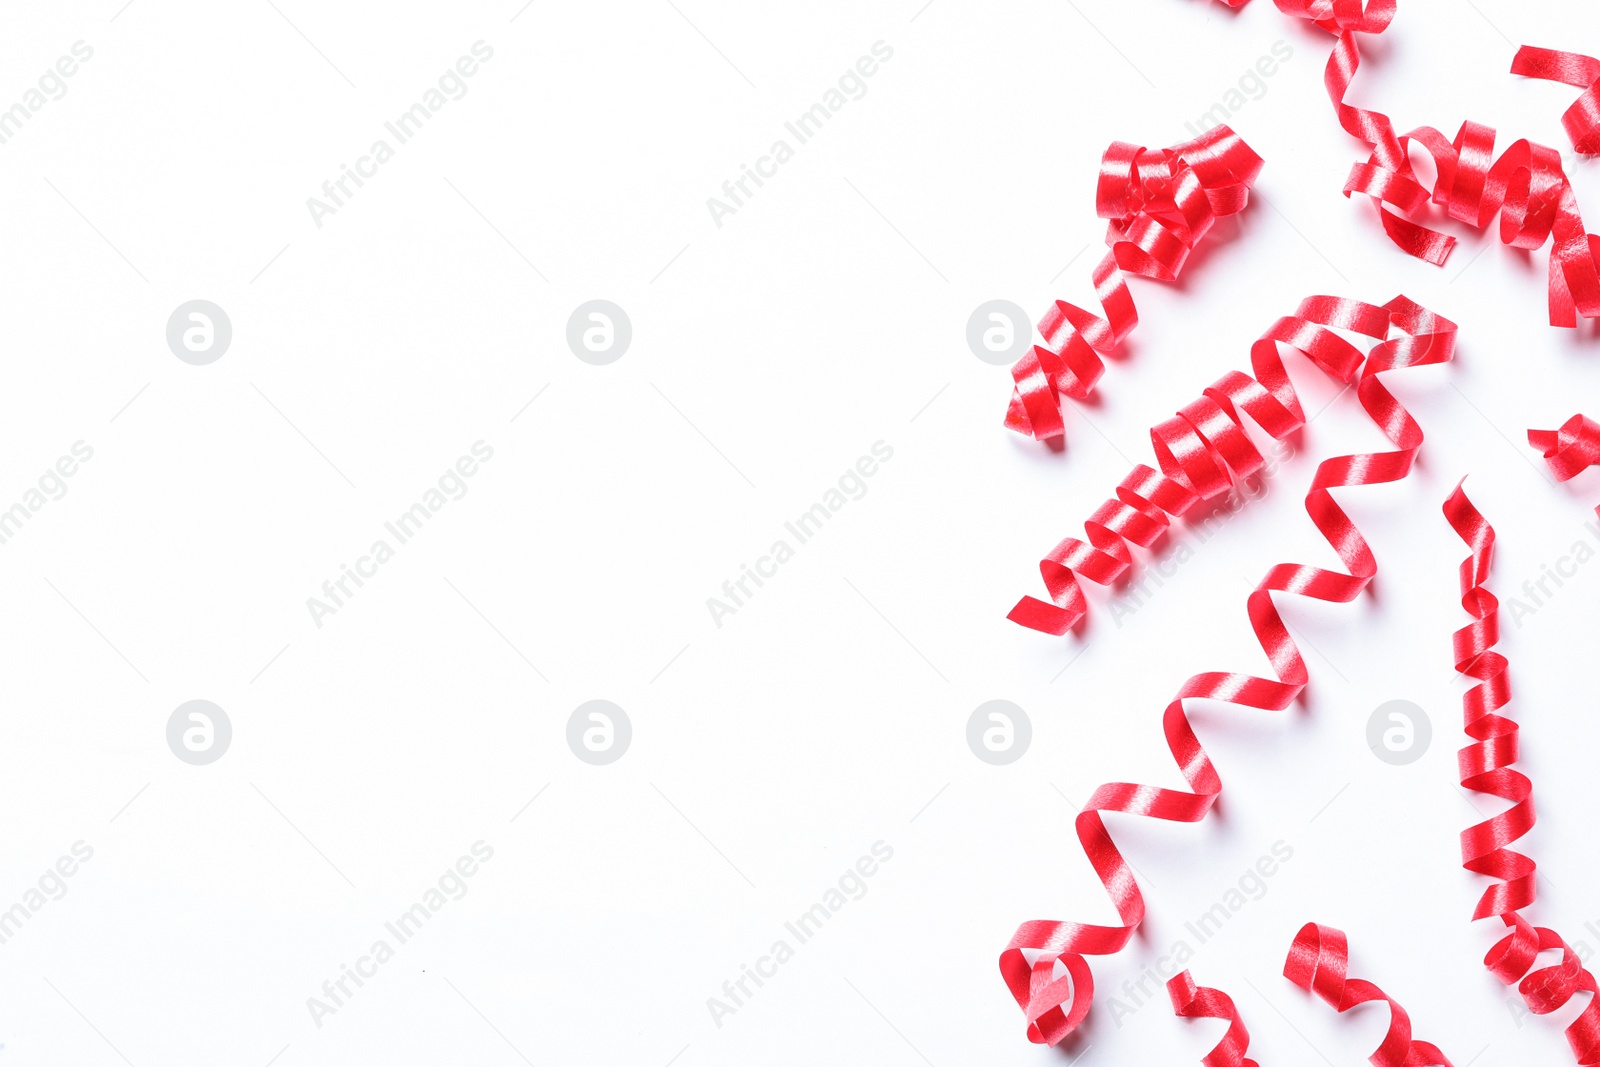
x=1191 y=1001
x=1319 y=962
x=1582 y=119
x=1044 y=964
x=1159 y=203
x=1571 y=449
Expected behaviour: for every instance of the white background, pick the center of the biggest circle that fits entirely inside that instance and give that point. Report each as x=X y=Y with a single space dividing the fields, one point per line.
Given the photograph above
x=768 y=354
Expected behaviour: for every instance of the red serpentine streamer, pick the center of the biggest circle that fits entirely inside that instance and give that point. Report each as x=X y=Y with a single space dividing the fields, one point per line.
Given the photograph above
x=1582 y=119
x=1570 y=449
x=1160 y=203
x=1485 y=767
x=1526 y=186
x=1202 y=452
x=1029 y=962
x=1319 y=962
x=1193 y=1001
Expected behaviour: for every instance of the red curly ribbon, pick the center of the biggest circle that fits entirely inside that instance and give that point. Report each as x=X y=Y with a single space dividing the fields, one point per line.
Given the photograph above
x=1486 y=768
x=1160 y=203
x=1202 y=452
x=1319 y=962
x=1526 y=186
x=1191 y=1001
x=1582 y=119
x=1571 y=449
x=1044 y=965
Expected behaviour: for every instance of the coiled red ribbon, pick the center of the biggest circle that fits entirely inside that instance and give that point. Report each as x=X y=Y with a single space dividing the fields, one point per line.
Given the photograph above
x=1526 y=186
x=1202 y=452
x=1485 y=767
x=1160 y=203
x=1582 y=119
x=1044 y=965
x=1319 y=962
x=1571 y=449
x=1192 y=1001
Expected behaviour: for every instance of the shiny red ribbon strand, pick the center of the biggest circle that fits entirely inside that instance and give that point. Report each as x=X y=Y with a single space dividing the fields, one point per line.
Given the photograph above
x=1526 y=186
x=1582 y=119
x=1319 y=962
x=1160 y=203
x=1044 y=965
x=1191 y=1001
x=1571 y=449
x=1202 y=451
x=1485 y=767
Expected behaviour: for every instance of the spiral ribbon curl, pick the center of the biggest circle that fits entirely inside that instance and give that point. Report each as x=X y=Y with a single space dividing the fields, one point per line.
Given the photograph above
x=1485 y=767
x=1202 y=452
x=1319 y=962
x=1044 y=964
x=1160 y=203
x=1526 y=186
x=1571 y=449
x=1192 y=1001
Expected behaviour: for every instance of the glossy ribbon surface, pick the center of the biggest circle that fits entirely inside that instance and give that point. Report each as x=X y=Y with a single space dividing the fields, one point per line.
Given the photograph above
x=1485 y=767
x=1571 y=449
x=1526 y=186
x=1582 y=119
x=1044 y=965
x=1203 y=451
x=1319 y=962
x=1192 y=1001
x=1160 y=203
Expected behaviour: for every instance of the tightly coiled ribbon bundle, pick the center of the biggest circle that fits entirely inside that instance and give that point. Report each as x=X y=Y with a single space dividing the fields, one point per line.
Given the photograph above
x=1160 y=203
x=1319 y=962
x=1202 y=452
x=1192 y=1001
x=1044 y=965
x=1571 y=449
x=1526 y=186
x=1485 y=767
